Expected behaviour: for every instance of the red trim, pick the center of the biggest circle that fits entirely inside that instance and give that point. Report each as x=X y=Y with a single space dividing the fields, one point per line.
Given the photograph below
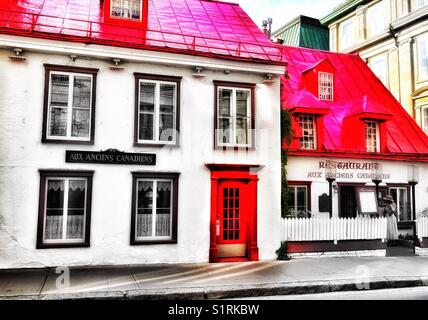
x=230 y=172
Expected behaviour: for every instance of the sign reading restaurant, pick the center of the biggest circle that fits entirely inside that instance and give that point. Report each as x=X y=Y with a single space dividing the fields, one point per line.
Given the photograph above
x=350 y=170
x=110 y=156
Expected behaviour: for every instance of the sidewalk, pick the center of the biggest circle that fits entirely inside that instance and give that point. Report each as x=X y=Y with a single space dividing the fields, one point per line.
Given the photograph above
x=210 y=281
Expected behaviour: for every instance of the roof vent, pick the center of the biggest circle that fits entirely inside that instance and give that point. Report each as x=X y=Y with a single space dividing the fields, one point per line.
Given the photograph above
x=17 y=55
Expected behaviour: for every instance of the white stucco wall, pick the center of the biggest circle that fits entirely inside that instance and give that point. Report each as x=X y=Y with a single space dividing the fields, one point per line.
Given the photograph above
x=299 y=167
x=22 y=154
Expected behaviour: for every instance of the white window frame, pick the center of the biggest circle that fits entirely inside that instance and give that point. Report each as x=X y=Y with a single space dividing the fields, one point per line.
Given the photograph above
x=422 y=77
x=295 y=187
x=123 y=7
x=65 y=208
x=154 y=209
x=323 y=89
x=376 y=59
x=314 y=125
x=366 y=122
x=233 y=134
x=372 y=18
x=156 y=117
x=68 y=137
x=347 y=41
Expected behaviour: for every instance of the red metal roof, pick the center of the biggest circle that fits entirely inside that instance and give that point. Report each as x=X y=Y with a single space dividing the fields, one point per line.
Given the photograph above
x=357 y=90
x=197 y=27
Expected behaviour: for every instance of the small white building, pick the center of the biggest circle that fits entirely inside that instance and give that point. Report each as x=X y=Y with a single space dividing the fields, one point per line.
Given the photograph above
x=132 y=133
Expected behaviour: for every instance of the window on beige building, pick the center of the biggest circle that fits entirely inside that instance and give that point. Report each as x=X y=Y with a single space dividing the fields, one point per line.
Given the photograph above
x=421 y=3
x=375 y=19
x=425 y=118
x=379 y=66
x=347 y=34
x=423 y=58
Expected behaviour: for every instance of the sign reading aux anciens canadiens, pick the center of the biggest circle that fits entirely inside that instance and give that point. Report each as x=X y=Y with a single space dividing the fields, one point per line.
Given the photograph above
x=350 y=170
x=110 y=156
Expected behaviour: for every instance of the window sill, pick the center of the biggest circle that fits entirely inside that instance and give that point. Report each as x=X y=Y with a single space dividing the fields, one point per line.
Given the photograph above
x=62 y=245
x=65 y=141
x=151 y=242
x=155 y=145
x=234 y=148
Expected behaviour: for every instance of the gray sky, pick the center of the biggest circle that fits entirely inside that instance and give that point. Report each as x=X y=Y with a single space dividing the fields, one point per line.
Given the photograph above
x=282 y=11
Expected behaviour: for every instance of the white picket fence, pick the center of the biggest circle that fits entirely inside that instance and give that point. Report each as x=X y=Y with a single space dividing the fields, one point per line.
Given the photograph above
x=333 y=229
x=422 y=227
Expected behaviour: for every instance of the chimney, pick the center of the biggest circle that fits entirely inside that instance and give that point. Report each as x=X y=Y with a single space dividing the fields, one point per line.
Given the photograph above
x=267 y=27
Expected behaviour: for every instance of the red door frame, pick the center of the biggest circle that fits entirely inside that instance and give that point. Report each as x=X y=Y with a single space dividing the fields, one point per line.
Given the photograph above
x=247 y=173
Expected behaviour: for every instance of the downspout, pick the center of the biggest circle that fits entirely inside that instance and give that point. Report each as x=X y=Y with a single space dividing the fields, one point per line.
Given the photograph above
x=397 y=45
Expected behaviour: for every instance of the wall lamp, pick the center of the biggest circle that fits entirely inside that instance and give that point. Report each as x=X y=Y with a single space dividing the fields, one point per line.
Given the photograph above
x=17 y=55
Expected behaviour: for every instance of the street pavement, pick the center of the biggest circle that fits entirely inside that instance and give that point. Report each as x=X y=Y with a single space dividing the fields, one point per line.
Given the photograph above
x=220 y=280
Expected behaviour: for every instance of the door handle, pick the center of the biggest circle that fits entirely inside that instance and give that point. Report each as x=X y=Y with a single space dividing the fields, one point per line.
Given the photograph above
x=218 y=228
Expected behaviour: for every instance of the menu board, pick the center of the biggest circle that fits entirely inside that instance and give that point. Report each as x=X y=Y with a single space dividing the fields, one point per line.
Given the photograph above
x=367 y=201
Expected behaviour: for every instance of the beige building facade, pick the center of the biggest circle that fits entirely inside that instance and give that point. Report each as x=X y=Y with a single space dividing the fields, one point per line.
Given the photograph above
x=392 y=36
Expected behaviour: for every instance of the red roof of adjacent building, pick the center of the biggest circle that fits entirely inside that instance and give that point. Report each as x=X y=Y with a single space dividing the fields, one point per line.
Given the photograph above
x=198 y=27
x=357 y=91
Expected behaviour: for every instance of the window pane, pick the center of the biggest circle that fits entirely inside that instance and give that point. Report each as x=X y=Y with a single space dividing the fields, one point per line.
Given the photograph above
x=80 y=123
x=54 y=209
x=146 y=126
x=291 y=200
x=225 y=130
x=147 y=96
x=166 y=127
x=347 y=30
x=59 y=90
x=58 y=122
x=82 y=92
x=308 y=139
x=163 y=210
x=128 y=9
x=379 y=68
x=375 y=19
x=225 y=102
x=372 y=138
x=301 y=199
x=423 y=58
x=167 y=97
x=425 y=119
x=242 y=131
x=144 y=209
x=242 y=98
x=76 y=209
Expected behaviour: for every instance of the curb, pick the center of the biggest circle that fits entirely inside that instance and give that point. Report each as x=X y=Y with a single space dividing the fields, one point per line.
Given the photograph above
x=238 y=291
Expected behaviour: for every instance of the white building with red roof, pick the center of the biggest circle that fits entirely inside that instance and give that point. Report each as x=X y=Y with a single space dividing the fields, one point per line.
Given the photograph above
x=352 y=145
x=137 y=132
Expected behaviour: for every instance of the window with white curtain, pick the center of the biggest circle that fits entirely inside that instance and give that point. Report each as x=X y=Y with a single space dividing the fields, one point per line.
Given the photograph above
x=422 y=52
x=154 y=215
x=65 y=208
x=69 y=106
x=347 y=34
x=126 y=9
x=379 y=66
x=234 y=117
x=401 y=199
x=157 y=112
x=376 y=19
x=425 y=118
x=372 y=136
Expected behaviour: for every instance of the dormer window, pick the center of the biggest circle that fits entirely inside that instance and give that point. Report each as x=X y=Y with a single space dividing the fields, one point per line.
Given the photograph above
x=126 y=9
x=308 y=140
x=325 y=86
x=372 y=136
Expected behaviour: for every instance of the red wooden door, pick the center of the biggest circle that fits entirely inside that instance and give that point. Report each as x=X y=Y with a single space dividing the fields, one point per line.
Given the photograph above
x=232 y=219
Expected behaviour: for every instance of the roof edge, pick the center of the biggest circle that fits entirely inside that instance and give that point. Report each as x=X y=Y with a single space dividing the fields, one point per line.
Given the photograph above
x=342 y=10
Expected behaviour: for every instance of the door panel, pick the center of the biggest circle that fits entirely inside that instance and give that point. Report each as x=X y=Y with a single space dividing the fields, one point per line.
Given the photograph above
x=232 y=219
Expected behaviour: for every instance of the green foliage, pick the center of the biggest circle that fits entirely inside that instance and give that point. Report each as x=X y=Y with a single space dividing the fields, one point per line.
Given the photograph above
x=282 y=252
x=286 y=135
